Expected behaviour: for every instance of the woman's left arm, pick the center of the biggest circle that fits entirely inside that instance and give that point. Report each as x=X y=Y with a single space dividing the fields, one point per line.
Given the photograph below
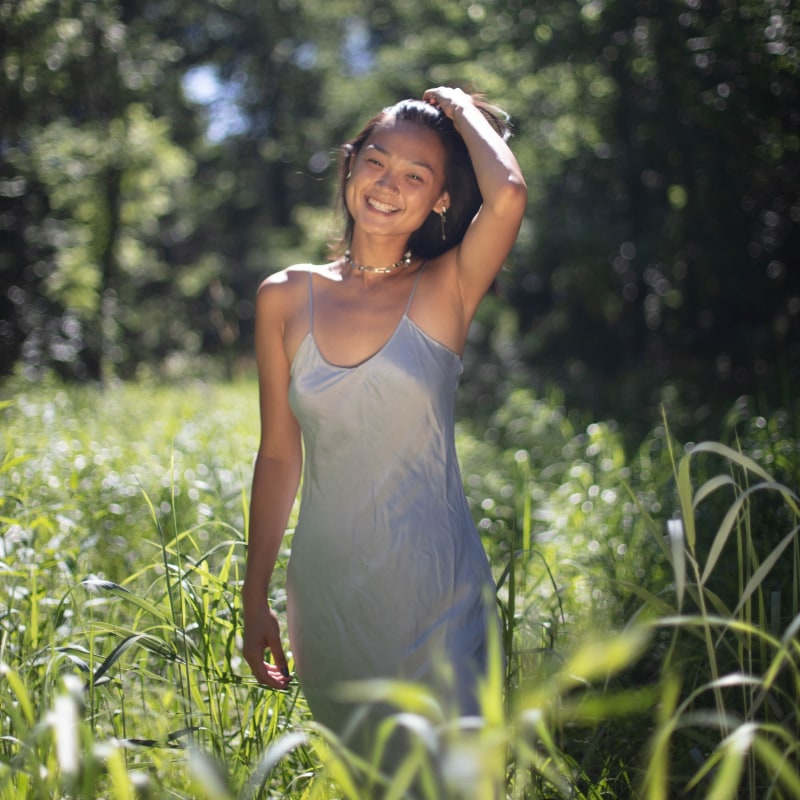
x=491 y=235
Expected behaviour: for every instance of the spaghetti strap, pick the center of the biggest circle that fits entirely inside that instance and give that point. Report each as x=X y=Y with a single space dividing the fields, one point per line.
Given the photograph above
x=310 y=302
x=414 y=287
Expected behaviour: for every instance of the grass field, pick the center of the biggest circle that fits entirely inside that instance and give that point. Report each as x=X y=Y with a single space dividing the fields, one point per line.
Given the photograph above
x=650 y=605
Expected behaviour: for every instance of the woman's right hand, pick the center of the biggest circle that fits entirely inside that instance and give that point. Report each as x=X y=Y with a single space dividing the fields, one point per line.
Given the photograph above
x=261 y=633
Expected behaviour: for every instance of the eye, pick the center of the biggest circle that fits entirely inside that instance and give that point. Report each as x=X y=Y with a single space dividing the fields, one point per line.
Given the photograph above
x=375 y=161
x=414 y=177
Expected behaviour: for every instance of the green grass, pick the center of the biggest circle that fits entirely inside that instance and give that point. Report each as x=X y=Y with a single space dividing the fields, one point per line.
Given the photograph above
x=650 y=607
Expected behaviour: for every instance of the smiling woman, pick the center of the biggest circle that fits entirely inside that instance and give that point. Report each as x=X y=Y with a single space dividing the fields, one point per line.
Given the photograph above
x=396 y=181
x=359 y=359
x=463 y=193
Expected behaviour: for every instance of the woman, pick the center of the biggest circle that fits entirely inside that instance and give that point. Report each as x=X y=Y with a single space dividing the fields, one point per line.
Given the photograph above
x=387 y=576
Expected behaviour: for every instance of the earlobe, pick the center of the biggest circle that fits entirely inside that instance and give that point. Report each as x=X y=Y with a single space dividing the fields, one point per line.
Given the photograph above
x=442 y=204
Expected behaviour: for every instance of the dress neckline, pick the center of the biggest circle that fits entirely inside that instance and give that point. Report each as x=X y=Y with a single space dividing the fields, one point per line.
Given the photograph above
x=409 y=300
x=310 y=340
x=364 y=361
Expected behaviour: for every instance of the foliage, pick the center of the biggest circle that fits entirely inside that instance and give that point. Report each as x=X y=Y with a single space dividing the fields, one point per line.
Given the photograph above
x=157 y=160
x=99 y=140
x=120 y=616
x=633 y=667
x=657 y=243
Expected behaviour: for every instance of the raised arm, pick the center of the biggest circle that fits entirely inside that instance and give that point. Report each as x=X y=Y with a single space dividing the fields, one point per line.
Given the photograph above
x=275 y=481
x=491 y=235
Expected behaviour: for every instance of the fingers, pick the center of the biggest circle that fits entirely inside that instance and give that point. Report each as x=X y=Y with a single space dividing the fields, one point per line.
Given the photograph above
x=271 y=675
x=262 y=633
x=278 y=656
x=435 y=96
x=446 y=99
x=275 y=675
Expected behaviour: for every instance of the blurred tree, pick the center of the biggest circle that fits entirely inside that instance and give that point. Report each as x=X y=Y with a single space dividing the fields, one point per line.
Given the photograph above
x=157 y=159
x=109 y=255
x=107 y=185
x=668 y=214
x=91 y=175
x=256 y=70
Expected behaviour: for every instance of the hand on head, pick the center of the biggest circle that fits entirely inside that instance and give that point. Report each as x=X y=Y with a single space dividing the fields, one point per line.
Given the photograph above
x=446 y=99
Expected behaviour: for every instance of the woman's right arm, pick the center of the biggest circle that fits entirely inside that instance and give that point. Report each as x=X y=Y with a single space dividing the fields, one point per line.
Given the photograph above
x=276 y=477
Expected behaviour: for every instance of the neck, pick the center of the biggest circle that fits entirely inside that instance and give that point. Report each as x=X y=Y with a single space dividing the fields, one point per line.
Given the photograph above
x=400 y=264
x=375 y=249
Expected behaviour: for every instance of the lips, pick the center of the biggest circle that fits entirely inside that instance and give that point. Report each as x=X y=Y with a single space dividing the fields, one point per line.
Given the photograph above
x=379 y=206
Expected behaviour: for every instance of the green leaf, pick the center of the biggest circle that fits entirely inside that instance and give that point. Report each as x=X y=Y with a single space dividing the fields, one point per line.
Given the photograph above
x=154 y=645
x=125 y=594
x=602 y=658
x=725 y=527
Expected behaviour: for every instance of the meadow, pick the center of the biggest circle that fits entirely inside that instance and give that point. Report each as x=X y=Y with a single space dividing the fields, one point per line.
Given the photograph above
x=650 y=606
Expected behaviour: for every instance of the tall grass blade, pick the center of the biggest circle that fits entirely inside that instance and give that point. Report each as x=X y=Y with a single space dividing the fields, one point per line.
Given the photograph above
x=711 y=486
x=684 y=485
x=656 y=779
x=732 y=455
x=94 y=583
x=154 y=645
x=120 y=779
x=733 y=513
x=784 y=657
x=602 y=658
x=207 y=776
x=677 y=547
x=20 y=692
x=276 y=751
x=757 y=579
x=656 y=604
x=727 y=764
x=542 y=753
x=491 y=687
x=334 y=760
x=64 y=720
x=779 y=765
x=411 y=697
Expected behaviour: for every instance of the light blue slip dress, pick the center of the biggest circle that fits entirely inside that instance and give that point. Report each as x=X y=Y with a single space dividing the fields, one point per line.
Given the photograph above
x=387 y=575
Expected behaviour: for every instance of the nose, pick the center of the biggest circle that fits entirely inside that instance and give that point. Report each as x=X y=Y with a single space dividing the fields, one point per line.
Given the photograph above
x=387 y=181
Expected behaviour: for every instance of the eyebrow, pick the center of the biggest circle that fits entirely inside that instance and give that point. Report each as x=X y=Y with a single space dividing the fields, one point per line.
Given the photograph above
x=423 y=164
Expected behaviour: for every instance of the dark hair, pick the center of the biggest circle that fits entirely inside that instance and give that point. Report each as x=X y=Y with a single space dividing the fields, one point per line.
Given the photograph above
x=459 y=181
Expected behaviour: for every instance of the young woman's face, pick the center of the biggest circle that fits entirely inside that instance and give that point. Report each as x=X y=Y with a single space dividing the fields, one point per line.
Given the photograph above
x=397 y=179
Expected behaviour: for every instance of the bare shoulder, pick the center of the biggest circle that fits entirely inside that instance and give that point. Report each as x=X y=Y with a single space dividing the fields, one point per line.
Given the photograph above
x=282 y=291
x=288 y=279
x=282 y=303
x=284 y=280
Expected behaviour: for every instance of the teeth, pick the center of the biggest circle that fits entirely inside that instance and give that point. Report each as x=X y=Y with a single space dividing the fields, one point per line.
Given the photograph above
x=376 y=204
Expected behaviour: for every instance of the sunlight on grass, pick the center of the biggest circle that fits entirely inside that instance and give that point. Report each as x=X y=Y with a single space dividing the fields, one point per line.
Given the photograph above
x=649 y=606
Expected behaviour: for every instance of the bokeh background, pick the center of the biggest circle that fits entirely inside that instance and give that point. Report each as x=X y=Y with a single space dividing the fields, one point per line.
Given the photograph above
x=629 y=416
x=158 y=158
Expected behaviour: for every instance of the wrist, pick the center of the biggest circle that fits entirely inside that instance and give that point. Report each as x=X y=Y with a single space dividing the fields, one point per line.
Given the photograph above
x=255 y=590
x=466 y=112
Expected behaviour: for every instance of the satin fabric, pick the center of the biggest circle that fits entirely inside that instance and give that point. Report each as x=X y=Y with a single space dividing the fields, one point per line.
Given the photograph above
x=387 y=575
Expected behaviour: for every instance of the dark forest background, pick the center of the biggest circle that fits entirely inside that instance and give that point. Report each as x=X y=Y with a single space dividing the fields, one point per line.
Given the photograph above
x=158 y=158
